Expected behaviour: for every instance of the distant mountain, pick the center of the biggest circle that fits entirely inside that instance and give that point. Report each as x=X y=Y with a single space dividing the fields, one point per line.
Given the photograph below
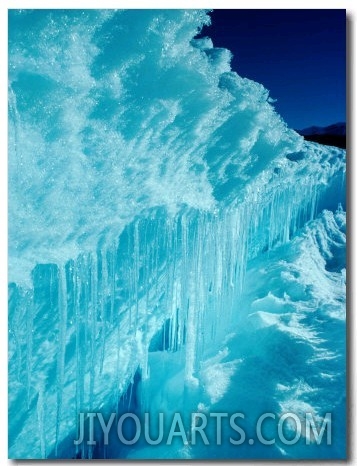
x=332 y=135
x=338 y=129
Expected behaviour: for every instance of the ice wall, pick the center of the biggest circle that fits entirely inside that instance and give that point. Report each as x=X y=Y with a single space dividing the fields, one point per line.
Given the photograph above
x=143 y=175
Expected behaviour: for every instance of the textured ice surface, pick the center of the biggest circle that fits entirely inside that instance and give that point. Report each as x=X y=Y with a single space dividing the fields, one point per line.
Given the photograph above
x=286 y=352
x=145 y=179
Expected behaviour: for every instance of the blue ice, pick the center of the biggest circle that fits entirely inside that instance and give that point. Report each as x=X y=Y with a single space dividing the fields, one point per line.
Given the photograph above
x=173 y=245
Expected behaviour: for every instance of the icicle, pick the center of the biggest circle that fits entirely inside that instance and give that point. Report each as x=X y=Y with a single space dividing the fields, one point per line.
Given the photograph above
x=136 y=266
x=173 y=327
x=79 y=362
x=41 y=423
x=118 y=374
x=29 y=344
x=111 y=255
x=189 y=309
x=102 y=303
x=146 y=281
x=62 y=311
x=85 y=311
x=130 y=280
x=93 y=325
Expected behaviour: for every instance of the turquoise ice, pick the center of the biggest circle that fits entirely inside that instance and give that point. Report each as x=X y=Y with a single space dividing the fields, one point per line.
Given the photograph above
x=171 y=241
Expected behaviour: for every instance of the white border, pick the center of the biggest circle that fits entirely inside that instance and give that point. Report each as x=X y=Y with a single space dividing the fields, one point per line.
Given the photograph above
x=85 y=4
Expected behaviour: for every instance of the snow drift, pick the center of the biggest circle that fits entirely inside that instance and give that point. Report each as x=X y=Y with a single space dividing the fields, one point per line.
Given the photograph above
x=145 y=179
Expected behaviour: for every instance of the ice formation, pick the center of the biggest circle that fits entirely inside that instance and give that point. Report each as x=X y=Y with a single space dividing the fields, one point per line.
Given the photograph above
x=171 y=241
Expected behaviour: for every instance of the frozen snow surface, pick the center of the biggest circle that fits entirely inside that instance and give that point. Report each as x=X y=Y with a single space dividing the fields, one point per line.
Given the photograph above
x=173 y=246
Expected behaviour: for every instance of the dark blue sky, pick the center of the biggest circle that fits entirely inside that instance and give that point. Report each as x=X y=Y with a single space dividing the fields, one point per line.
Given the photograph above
x=299 y=55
